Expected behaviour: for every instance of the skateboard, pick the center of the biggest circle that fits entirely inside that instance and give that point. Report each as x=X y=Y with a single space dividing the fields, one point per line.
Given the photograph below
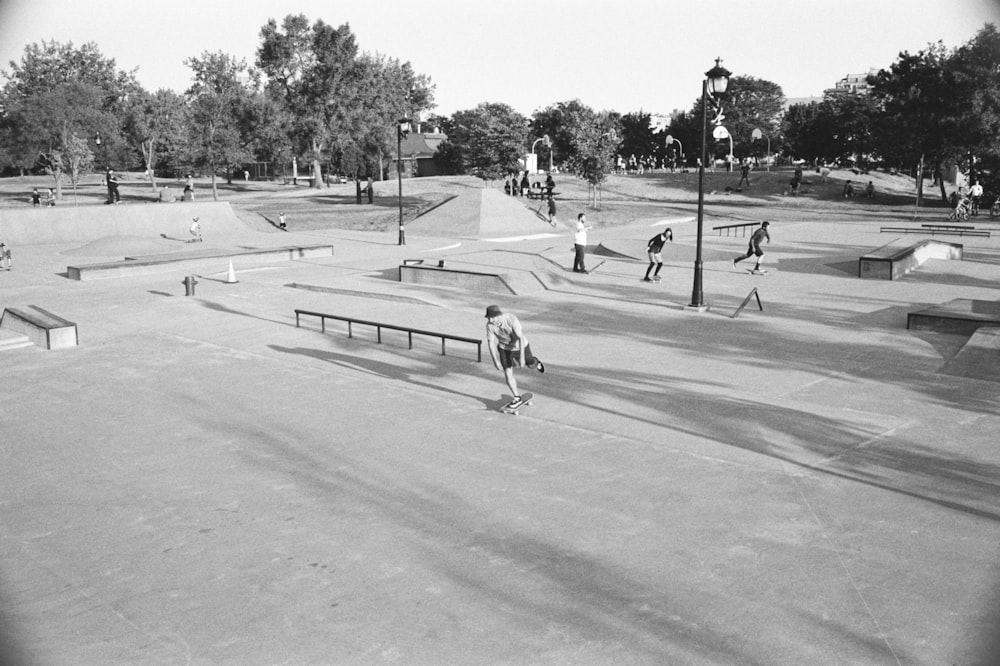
x=753 y=272
x=525 y=401
x=597 y=266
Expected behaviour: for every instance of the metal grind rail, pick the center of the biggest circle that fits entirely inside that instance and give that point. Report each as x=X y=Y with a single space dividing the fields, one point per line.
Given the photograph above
x=379 y=326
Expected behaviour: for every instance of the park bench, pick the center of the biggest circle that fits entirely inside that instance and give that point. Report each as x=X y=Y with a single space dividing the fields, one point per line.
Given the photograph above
x=734 y=227
x=42 y=327
x=379 y=326
x=543 y=193
x=890 y=261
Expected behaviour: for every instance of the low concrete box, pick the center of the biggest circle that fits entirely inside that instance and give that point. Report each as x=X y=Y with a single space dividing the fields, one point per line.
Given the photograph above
x=890 y=262
x=42 y=327
x=412 y=273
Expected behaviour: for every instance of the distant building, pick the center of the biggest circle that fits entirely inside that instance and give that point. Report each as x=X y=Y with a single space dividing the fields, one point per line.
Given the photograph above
x=417 y=153
x=791 y=101
x=852 y=84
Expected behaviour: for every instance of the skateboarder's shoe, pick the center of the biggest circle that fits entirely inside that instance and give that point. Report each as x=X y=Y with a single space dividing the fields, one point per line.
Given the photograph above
x=646 y=279
x=515 y=403
x=540 y=366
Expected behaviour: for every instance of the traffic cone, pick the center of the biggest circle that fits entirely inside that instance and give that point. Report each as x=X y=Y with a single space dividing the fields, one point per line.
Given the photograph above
x=231 y=278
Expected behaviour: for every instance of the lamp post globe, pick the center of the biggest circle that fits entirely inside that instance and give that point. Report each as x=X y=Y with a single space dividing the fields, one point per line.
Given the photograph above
x=715 y=82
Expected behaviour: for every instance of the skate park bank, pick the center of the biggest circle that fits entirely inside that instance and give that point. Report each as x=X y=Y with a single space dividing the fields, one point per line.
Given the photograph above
x=201 y=481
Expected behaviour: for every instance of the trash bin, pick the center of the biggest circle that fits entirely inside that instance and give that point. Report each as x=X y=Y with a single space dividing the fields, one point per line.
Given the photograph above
x=189 y=283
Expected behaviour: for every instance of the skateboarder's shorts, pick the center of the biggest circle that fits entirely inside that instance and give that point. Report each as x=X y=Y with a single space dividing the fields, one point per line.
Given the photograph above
x=755 y=250
x=655 y=257
x=511 y=358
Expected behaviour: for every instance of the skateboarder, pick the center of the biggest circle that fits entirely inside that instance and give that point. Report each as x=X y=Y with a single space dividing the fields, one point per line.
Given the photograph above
x=552 y=210
x=654 y=247
x=4 y=256
x=509 y=348
x=195 y=230
x=580 y=243
x=754 y=247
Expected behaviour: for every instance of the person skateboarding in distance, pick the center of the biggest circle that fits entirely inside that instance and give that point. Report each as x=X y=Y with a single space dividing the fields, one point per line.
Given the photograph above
x=195 y=230
x=509 y=348
x=654 y=247
x=754 y=247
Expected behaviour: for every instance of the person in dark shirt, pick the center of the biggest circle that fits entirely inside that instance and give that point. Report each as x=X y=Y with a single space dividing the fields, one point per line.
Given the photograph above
x=654 y=247
x=754 y=249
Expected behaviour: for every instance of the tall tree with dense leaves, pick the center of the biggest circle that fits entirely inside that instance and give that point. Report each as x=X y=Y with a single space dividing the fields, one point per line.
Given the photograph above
x=917 y=104
x=153 y=121
x=56 y=92
x=554 y=122
x=312 y=70
x=218 y=99
x=751 y=103
x=637 y=137
x=491 y=139
x=596 y=142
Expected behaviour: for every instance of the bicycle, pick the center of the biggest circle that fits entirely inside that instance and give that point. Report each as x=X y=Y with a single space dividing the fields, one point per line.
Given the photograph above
x=961 y=211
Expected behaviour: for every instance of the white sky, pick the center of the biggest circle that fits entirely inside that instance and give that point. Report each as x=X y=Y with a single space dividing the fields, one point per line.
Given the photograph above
x=623 y=56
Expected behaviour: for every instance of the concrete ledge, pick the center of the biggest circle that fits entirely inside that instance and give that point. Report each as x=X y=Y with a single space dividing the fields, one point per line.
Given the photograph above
x=158 y=263
x=890 y=261
x=961 y=315
x=42 y=327
x=412 y=273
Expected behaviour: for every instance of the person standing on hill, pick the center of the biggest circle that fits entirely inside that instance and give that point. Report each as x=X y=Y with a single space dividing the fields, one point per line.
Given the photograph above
x=509 y=347
x=552 y=210
x=754 y=247
x=744 y=175
x=654 y=247
x=580 y=243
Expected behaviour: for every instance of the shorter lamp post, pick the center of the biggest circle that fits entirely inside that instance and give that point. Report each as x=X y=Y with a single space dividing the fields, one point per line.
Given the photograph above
x=757 y=134
x=715 y=82
x=402 y=130
x=670 y=140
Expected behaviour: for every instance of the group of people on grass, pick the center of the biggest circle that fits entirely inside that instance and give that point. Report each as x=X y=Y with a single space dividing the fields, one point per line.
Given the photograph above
x=519 y=185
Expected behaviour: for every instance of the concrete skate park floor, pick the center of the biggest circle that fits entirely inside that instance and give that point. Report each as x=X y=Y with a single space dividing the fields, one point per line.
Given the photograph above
x=202 y=482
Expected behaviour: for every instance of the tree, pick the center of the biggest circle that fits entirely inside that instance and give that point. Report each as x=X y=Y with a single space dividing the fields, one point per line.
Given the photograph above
x=554 y=121
x=58 y=91
x=595 y=144
x=917 y=110
x=154 y=122
x=751 y=103
x=490 y=139
x=637 y=137
x=311 y=70
x=218 y=100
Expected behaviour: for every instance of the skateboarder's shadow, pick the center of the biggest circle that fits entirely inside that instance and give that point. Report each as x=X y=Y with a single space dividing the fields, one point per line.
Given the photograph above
x=387 y=370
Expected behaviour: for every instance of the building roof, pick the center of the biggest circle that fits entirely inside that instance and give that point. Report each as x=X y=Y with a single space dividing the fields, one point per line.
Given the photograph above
x=421 y=144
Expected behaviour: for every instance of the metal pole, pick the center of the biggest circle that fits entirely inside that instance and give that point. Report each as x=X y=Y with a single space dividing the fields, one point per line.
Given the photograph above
x=697 y=297
x=399 y=179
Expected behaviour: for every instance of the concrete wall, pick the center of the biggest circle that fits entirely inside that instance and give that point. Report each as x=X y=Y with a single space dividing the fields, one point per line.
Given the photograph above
x=71 y=224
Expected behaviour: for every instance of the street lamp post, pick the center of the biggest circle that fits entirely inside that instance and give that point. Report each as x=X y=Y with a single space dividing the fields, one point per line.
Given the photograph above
x=402 y=130
x=757 y=134
x=671 y=140
x=715 y=82
x=548 y=143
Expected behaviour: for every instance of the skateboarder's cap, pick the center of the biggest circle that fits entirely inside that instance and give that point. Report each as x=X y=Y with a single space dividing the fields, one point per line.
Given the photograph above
x=493 y=311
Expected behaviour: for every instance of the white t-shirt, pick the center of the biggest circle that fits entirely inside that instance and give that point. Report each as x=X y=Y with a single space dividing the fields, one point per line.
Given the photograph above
x=580 y=238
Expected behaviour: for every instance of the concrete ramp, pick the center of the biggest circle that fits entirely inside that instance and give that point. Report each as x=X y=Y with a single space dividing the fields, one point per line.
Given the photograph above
x=90 y=222
x=979 y=358
x=482 y=213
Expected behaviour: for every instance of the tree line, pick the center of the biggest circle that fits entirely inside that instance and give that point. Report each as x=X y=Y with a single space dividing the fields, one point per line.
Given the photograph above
x=312 y=94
